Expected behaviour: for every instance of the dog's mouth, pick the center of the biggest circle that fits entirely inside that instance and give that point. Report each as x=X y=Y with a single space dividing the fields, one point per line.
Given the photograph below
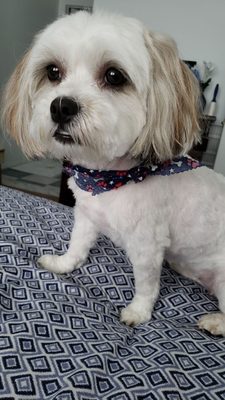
x=62 y=136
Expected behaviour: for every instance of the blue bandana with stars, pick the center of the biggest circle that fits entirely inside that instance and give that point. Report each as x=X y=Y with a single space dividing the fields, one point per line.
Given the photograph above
x=99 y=181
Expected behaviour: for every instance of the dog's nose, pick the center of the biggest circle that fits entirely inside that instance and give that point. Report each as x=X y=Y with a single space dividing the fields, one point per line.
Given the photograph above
x=63 y=109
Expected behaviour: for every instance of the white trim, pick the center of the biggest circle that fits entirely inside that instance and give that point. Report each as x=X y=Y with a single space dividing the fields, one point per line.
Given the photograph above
x=64 y=5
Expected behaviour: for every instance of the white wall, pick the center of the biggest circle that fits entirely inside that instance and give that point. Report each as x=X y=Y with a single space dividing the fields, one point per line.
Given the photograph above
x=20 y=20
x=198 y=26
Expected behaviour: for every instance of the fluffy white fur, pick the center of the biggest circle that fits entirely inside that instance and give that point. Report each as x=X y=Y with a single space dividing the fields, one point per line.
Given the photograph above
x=152 y=117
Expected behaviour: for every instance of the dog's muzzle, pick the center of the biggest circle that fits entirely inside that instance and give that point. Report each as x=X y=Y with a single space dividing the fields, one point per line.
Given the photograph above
x=63 y=110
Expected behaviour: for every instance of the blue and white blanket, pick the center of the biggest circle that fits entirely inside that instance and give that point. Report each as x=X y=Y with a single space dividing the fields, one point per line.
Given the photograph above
x=60 y=336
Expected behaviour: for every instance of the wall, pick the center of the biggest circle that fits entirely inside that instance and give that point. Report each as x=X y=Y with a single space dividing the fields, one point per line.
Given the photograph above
x=197 y=26
x=19 y=21
x=199 y=30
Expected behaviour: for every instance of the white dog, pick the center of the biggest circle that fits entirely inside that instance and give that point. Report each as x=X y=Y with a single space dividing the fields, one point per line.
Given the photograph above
x=116 y=101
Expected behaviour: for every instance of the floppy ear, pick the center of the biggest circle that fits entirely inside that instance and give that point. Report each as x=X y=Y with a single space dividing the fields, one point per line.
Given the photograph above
x=16 y=106
x=172 y=105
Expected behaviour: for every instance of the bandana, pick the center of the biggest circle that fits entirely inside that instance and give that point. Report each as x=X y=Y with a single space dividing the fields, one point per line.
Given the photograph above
x=100 y=181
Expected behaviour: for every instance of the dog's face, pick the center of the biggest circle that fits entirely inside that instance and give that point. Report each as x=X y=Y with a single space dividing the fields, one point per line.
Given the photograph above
x=101 y=86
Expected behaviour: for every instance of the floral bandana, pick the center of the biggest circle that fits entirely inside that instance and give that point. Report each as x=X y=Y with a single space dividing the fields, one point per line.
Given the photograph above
x=99 y=181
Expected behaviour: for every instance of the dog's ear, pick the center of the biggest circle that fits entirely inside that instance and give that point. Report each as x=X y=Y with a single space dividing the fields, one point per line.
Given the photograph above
x=17 y=107
x=172 y=105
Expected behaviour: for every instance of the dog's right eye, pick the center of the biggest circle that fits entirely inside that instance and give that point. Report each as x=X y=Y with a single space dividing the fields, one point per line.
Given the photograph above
x=54 y=73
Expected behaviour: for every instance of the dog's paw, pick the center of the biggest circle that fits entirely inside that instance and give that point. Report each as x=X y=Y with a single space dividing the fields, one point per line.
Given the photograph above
x=57 y=264
x=132 y=315
x=213 y=323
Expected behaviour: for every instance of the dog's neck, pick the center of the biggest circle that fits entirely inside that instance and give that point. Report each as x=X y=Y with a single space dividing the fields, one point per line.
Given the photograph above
x=100 y=181
x=98 y=163
x=121 y=164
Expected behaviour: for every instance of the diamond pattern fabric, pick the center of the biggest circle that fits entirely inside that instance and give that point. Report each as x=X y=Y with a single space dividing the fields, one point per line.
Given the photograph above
x=60 y=336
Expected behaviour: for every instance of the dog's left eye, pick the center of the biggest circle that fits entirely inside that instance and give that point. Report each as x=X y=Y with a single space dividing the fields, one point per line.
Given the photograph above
x=54 y=73
x=114 y=77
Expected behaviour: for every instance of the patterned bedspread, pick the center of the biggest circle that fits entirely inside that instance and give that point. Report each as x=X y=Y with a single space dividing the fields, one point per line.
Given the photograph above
x=60 y=336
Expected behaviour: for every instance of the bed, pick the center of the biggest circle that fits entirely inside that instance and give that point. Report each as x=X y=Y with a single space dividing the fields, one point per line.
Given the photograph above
x=60 y=336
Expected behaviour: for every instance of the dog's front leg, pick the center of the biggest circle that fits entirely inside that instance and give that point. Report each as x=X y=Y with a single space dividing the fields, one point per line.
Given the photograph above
x=82 y=238
x=147 y=271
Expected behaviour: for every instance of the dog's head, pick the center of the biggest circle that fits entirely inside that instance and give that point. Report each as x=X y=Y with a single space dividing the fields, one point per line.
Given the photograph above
x=102 y=85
